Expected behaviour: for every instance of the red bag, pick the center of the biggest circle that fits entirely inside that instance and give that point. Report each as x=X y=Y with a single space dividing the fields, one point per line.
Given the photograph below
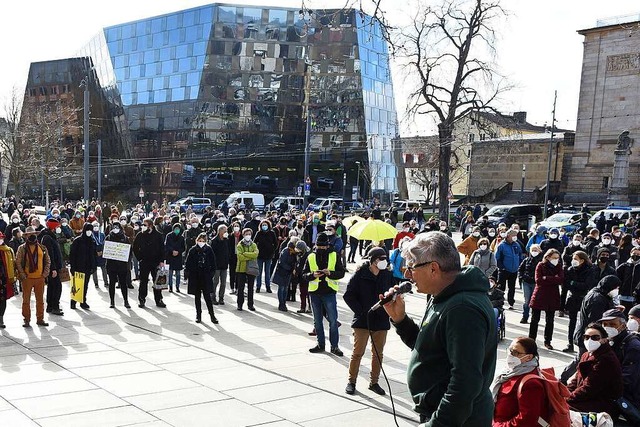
x=9 y=291
x=557 y=394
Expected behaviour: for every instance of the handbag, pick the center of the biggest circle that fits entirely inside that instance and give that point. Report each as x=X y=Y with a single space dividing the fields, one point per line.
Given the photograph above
x=64 y=274
x=252 y=267
x=160 y=283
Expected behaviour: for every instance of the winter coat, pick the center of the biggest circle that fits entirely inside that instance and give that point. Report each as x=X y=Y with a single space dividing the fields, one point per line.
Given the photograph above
x=578 y=281
x=148 y=248
x=595 y=303
x=567 y=254
x=114 y=266
x=626 y=346
x=267 y=243
x=199 y=268
x=509 y=255
x=556 y=244
x=485 y=261
x=397 y=261
x=99 y=237
x=173 y=242
x=48 y=239
x=284 y=268
x=613 y=253
x=536 y=239
x=546 y=294
x=467 y=247
x=522 y=410
x=297 y=277
x=82 y=257
x=629 y=275
x=308 y=236
x=363 y=292
x=245 y=253
x=598 y=382
x=454 y=349
x=527 y=269
x=221 y=250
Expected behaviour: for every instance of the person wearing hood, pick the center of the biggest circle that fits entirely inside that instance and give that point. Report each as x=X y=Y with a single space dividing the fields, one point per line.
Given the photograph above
x=454 y=349
x=118 y=271
x=48 y=238
x=518 y=403
x=371 y=279
x=483 y=258
x=626 y=346
x=33 y=265
x=629 y=274
x=82 y=259
x=13 y=224
x=527 y=277
x=98 y=237
x=537 y=238
x=546 y=295
x=198 y=271
x=553 y=241
x=267 y=243
x=595 y=303
x=174 y=247
x=148 y=248
x=606 y=243
x=77 y=223
x=254 y=222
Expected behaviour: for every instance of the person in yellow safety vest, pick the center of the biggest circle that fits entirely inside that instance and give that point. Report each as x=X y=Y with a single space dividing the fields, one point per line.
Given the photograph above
x=323 y=270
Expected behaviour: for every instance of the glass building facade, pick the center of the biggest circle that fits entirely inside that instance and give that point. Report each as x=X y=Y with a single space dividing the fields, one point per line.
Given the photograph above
x=228 y=88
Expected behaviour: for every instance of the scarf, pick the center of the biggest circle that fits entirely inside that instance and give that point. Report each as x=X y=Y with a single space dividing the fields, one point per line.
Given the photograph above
x=507 y=374
x=32 y=257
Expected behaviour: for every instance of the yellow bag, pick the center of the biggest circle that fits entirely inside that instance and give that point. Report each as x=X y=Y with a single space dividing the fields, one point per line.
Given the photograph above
x=77 y=287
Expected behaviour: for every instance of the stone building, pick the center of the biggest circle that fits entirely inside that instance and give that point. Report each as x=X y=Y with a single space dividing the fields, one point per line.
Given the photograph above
x=609 y=104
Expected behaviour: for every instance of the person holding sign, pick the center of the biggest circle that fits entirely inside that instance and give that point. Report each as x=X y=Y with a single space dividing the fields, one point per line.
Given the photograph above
x=82 y=259
x=33 y=264
x=117 y=270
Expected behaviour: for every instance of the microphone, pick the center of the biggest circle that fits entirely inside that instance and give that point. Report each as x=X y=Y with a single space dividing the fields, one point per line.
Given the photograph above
x=402 y=289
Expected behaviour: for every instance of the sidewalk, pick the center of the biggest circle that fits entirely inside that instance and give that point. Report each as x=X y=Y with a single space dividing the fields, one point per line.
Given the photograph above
x=156 y=367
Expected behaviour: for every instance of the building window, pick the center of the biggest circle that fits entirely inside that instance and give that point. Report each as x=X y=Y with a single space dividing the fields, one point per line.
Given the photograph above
x=33 y=92
x=605 y=182
x=483 y=137
x=472 y=137
x=43 y=90
x=54 y=90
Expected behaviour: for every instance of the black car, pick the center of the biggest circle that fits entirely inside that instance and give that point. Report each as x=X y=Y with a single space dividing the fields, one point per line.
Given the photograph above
x=512 y=214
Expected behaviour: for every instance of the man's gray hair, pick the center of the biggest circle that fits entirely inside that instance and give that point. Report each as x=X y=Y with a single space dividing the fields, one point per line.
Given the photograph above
x=222 y=227
x=433 y=246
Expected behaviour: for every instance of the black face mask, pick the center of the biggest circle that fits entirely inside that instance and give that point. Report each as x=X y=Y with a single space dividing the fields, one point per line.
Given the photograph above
x=32 y=239
x=603 y=259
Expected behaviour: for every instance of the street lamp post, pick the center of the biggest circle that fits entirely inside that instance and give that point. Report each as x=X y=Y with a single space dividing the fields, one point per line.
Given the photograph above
x=85 y=130
x=358 y=179
x=524 y=174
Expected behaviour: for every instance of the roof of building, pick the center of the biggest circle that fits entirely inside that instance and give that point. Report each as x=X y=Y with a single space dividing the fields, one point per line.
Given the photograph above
x=623 y=22
x=512 y=122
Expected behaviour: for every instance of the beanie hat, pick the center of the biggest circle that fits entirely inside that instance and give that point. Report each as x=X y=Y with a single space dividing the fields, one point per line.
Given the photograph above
x=603 y=250
x=302 y=246
x=322 y=240
x=53 y=223
x=635 y=311
x=376 y=253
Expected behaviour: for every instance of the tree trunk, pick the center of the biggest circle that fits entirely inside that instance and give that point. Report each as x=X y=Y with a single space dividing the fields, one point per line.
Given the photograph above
x=444 y=138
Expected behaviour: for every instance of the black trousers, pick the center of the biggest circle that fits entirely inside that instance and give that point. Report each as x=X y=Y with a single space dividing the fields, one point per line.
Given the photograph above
x=122 y=277
x=145 y=270
x=207 y=301
x=573 y=320
x=248 y=280
x=352 y=253
x=548 y=327
x=508 y=278
x=54 y=291
x=232 y=274
x=563 y=298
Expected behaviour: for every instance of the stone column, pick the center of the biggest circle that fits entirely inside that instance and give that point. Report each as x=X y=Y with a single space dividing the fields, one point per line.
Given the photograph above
x=619 y=187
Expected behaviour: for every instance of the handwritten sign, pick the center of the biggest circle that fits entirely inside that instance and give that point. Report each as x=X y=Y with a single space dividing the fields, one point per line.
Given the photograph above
x=116 y=251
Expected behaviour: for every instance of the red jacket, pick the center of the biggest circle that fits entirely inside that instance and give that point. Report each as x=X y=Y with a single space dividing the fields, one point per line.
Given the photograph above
x=520 y=411
x=598 y=382
x=546 y=294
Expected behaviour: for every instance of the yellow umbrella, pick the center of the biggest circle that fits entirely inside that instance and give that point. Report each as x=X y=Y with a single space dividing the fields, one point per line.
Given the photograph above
x=375 y=230
x=348 y=221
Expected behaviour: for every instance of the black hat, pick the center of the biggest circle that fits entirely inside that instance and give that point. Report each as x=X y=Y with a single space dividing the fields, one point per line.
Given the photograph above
x=322 y=240
x=376 y=253
x=603 y=250
x=614 y=313
x=635 y=311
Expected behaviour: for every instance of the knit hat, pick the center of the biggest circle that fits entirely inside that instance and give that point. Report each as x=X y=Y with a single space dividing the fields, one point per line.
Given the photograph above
x=322 y=240
x=603 y=250
x=554 y=231
x=302 y=246
x=376 y=253
x=635 y=311
x=255 y=214
x=53 y=223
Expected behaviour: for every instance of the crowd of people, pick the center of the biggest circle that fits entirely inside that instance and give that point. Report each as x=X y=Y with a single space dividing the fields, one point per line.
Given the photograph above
x=588 y=277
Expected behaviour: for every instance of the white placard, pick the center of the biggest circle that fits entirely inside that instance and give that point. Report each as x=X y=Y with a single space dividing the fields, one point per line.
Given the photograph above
x=116 y=251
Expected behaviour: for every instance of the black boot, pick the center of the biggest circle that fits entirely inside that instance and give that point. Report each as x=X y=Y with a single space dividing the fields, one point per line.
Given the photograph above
x=198 y=317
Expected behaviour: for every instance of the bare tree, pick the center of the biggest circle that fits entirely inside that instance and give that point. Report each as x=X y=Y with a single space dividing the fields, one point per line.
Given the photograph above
x=449 y=49
x=10 y=141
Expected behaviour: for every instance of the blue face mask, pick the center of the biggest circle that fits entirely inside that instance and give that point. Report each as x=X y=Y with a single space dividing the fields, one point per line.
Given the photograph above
x=265 y=227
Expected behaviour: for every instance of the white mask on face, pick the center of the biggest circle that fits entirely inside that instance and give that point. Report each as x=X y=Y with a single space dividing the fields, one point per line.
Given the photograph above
x=382 y=264
x=225 y=235
x=606 y=241
x=553 y=236
x=577 y=242
x=116 y=230
x=492 y=234
x=58 y=230
x=633 y=325
x=15 y=220
x=612 y=332
x=88 y=233
x=554 y=262
x=575 y=263
x=247 y=238
x=475 y=234
x=236 y=229
x=614 y=293
x=200 y=244
x=1 y=242
x=592 y=345
x=96 y=229
x=535 y=253
x=143 y=228
x=512 y=361
x=483 y=247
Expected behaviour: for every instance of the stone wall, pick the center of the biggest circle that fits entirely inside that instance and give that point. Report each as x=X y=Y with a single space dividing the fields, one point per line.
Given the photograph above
x=609 y=103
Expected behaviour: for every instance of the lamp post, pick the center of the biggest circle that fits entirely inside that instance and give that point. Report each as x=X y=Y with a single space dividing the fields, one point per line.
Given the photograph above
x=524 y=174
x=358 y=179
x=85 y=130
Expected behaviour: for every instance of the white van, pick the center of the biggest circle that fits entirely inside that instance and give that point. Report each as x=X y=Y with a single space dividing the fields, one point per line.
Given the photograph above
x=325 y=203
x=293 y=201
x=243 y=198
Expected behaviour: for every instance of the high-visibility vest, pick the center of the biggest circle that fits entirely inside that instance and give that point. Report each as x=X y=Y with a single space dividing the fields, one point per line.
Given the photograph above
x=313 y=266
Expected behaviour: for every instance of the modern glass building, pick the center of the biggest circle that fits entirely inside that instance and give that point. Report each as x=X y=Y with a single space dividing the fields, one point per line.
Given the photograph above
x=224 y=88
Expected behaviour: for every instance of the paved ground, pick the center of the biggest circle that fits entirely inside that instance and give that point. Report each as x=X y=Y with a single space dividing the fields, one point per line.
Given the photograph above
x=156 y=367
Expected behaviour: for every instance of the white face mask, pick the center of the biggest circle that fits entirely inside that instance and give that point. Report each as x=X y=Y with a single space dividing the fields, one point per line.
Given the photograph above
x=483 y=247
x=575 y=263
x=591 y=345
x=512 y=361
x=96 y=229
x=1 y=242
x=88 y=233
x=612 y=332
x=225 y=235
x=116 y=230
x=554 y=262
x=577 y=242
x=200 y=244
x=236 y=229
x=476 y=234
x=606 y=241
x=406 y=229
x=535 y=253
x=143 y=228
x=382 y=264
x=15 y=220
x=614 y=293
x=553 y=236
x=247 y=238
x=58 y=230
x=633 y=325
x=492 y=234
x=635 y=243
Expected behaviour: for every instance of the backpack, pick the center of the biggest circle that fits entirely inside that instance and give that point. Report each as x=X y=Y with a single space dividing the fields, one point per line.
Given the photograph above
x=557 y=394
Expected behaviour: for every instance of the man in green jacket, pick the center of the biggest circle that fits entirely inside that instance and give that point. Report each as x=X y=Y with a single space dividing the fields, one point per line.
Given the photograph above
x=453 y=356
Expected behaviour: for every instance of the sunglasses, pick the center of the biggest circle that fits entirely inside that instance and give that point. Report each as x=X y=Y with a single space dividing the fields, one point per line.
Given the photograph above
x=516 y=353
x=591 y=337
x=411 y=268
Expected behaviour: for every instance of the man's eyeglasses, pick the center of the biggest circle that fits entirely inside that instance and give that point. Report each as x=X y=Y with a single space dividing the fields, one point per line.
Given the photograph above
x=516 y=353
x=591 y=337
x=411 y=268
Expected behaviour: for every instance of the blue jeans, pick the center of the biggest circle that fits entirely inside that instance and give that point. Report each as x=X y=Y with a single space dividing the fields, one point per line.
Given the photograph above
x=264 y=265
x=177 y=274
x=328 y=303
x=527 y=289
x=283 y=291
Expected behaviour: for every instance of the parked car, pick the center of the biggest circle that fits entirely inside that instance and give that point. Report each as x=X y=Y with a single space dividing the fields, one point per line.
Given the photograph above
x=244 y=198
x=325 y=203
x=353 y=206
x=511 y=214
x=403 y=205
x=292 y=201
x=561 y=219
x=623 y=213
x=263 y=184
x=197 y=204
x=220 y=179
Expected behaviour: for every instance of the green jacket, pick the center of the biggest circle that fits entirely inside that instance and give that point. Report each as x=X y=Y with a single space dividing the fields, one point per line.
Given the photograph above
x=245 y=253
x=454 y=354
